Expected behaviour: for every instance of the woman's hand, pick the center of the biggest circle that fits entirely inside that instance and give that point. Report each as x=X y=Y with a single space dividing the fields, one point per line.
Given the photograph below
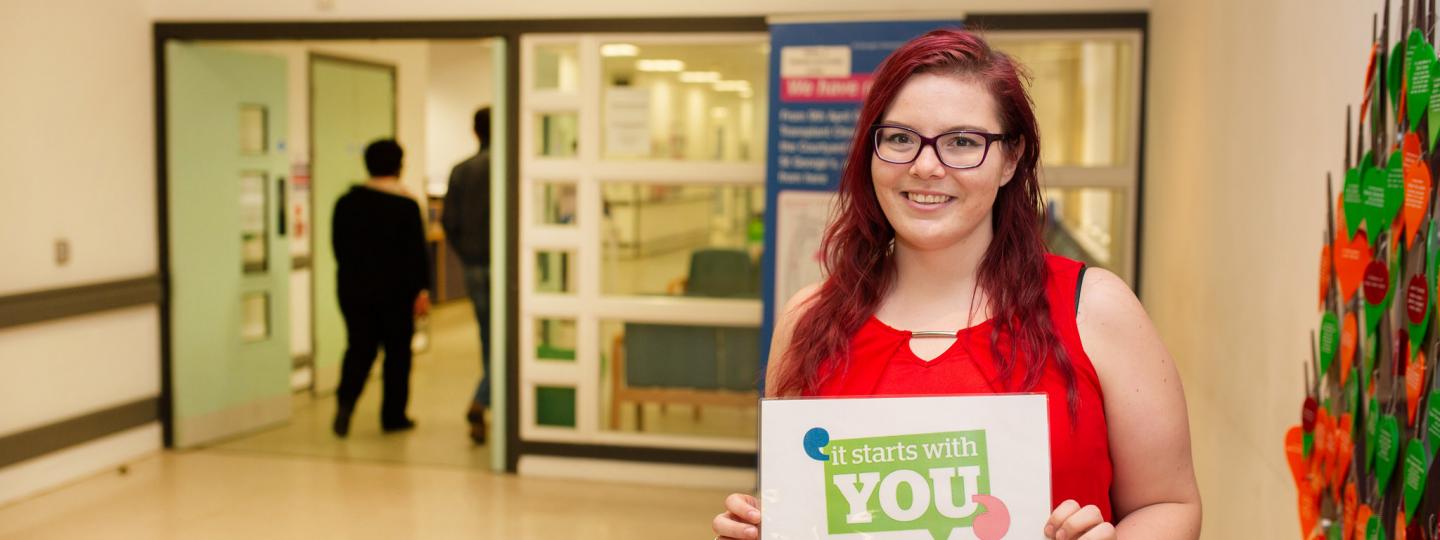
x=1071 y=522
x=740 y=520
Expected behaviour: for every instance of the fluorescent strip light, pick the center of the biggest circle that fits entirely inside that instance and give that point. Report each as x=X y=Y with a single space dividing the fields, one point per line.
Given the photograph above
x=659 y=65
x=611 y=50
x=732 y=86
x=700 y=76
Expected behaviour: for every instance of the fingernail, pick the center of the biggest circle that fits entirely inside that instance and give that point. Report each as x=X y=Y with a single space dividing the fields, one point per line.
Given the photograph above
x=752 y=532
x=1049 y=530
x=754 y=516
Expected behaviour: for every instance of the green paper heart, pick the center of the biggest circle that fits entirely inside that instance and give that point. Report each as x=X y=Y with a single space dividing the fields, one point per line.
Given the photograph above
x=1355 y=211
x=1394 y=189
x=1307 y=442
x=1329 y=340
x=1374 y=312
x=1335 y=532
x=1432 y=250
x=1372 y=430
x=1432 y=421
x=1373 y=529
x=1434 y=106
x=1416 y=463
x=1393 y=70
x=1420 y=57
x=1372 y=193
x=1417 y=330
x=1387 y=448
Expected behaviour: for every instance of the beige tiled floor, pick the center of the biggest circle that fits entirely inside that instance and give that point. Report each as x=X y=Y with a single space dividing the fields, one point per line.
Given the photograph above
x=212 y=494
x=442 y=383
x=299 y=481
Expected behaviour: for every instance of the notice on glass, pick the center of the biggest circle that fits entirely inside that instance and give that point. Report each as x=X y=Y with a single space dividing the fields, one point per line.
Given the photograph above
x=941 y=468
x=627 y=122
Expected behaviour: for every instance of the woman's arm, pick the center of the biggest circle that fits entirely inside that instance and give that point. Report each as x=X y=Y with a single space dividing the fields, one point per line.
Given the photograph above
x=1154 y=494
x=741 y=518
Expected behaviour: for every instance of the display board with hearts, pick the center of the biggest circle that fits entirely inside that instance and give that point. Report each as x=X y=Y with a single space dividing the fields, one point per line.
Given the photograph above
x=1368 y=435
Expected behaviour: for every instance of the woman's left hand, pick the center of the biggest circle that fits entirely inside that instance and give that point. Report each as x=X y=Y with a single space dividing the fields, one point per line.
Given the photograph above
x=1069 y=521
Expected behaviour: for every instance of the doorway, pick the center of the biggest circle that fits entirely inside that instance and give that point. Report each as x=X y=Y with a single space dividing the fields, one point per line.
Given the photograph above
x=326 y=100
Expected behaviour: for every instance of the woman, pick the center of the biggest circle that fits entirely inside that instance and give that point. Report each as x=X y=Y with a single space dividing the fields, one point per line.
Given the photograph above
x=939 y=229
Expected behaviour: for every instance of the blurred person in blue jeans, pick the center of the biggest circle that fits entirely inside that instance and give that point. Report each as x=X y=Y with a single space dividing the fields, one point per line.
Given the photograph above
x=466 y=218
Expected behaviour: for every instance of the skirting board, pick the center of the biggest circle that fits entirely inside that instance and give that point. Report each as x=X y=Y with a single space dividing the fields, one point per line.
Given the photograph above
x=219 y=425
x=47 y=472
x=654 y=474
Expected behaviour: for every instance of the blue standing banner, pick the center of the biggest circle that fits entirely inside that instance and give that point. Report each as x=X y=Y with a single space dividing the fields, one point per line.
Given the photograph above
x=819 y=73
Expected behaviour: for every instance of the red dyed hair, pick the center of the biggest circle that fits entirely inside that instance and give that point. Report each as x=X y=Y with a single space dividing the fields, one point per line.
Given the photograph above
x=856 y=245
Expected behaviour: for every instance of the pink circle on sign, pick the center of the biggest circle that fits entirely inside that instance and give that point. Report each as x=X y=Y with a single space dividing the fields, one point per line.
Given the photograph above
x=1377 y=282
x=1417 y=298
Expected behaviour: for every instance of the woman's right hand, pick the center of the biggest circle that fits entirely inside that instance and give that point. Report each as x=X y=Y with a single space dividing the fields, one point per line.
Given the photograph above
x=740 y=520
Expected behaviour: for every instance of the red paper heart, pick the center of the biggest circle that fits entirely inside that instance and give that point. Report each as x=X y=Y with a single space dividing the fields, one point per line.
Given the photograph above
x=1414 y=384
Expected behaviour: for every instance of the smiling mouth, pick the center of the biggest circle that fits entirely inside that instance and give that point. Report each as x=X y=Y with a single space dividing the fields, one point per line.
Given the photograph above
x=926 y=198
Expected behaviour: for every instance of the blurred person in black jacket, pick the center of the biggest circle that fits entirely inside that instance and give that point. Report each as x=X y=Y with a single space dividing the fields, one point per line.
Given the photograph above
x=466 y=218
x=384 y=282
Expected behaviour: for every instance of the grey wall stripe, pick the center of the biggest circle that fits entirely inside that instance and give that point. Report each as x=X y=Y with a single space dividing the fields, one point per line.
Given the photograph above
x=29 y=308
x=82 y=429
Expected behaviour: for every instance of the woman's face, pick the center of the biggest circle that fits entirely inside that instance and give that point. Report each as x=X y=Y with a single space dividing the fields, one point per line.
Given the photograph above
x=932 y=206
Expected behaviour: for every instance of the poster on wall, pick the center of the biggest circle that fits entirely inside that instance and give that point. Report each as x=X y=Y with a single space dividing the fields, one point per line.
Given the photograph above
x=935 y=467
x=819 y=74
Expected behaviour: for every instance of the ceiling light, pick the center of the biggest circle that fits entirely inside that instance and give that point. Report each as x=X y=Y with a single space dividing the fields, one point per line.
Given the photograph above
x=611 y=50
x=700 y=76
x=732 y=86
x=659 y=65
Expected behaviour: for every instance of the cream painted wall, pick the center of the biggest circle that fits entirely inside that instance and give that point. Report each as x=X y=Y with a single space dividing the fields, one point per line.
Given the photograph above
x=78 y=148
x=1246 y=116
x=78 y=144
x=461 y=81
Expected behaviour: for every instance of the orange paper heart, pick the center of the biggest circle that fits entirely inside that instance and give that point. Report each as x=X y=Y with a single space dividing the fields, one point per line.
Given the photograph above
x=1414 y=384
x=1362 y=517
x=1351 y=258
x=1295 y=455
x=1347 y=524
x=1309 y=514
x=1400 y=524
x=1348 y=335
x=1326 y=259
x=1417 y=187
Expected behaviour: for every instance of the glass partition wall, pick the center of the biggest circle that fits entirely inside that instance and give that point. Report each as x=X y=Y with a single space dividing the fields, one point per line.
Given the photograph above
x=642 y=204
x=1086 y=87
x=642 y=194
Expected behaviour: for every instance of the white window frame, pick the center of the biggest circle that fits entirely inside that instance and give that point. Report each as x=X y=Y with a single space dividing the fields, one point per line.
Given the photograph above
x=583 y=239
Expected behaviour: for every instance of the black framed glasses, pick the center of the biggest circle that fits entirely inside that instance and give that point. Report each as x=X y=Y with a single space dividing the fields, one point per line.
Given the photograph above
x=963 y=149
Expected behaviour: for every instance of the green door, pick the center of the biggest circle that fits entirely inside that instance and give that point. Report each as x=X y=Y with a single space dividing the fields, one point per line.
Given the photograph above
x=351 y=104
x=229 y=256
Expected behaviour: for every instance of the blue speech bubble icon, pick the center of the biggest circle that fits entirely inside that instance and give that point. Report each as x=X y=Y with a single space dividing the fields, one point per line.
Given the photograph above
x=815 y=440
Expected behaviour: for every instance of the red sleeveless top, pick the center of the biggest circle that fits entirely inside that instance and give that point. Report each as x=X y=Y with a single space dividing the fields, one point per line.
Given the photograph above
x=881 y=363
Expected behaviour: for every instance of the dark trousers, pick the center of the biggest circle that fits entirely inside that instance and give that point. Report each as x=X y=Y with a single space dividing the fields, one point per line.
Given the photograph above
x=477 y=284
x=368 y=326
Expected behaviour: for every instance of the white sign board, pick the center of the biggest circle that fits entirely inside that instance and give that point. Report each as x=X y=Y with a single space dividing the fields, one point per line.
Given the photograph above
x=941 y=468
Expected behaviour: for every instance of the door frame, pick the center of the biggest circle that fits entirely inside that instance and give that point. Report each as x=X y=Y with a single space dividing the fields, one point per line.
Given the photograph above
x=509 y=31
